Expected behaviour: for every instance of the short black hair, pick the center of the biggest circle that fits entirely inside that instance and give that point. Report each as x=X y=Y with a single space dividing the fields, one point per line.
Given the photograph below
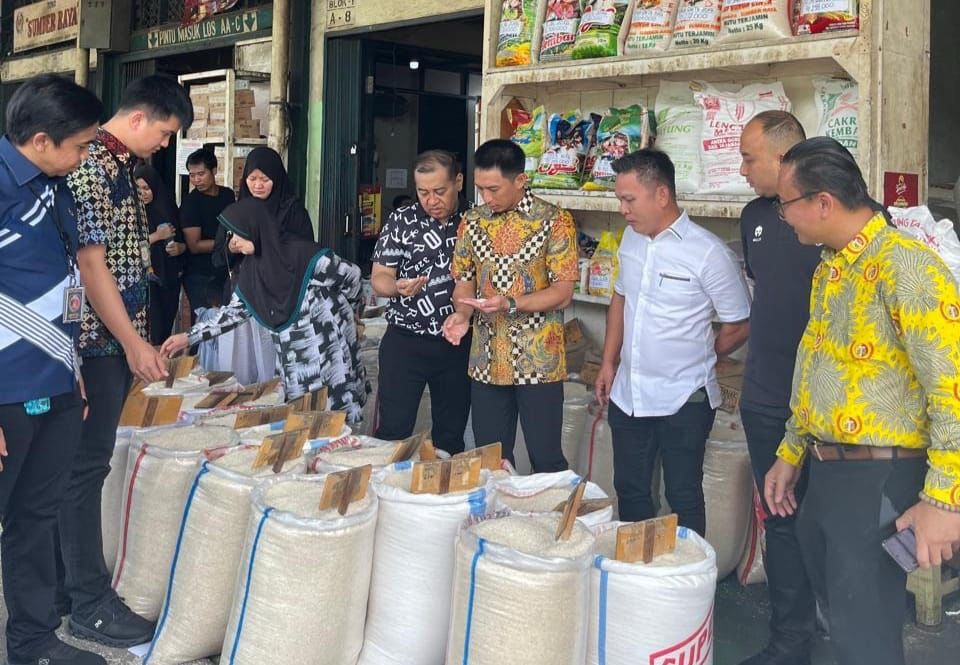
x=401 y=201
x=431 y=160
x=650 y=166
x=501 y=154
x=52 y=105
x=822 y=164
x=204 y=156
x=160 y=97
x=781 y=127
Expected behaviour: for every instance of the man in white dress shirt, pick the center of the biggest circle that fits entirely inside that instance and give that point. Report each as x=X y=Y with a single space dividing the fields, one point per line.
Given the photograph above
x=659 y=356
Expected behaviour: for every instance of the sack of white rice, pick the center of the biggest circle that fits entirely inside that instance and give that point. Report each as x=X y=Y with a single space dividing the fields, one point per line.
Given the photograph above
x=660 y=612
x=413 y=568
x=697 y=24
x=838 y=111
x=651 y=27
x=750 y=569
x=519 y=595
x=544 y=492
x=349 y=452
x=679 y=125
x=111 y=498
x=576 y=398
x=302 y=592
x=746 y=20
x=596 y=451
x=209 y=548
x=160 y=468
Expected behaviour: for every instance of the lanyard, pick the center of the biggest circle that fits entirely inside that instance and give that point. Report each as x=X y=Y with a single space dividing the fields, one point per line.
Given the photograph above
x=64 y=238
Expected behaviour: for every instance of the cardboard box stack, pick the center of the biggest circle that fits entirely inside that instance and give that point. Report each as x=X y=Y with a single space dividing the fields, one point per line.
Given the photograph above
x=210 y=111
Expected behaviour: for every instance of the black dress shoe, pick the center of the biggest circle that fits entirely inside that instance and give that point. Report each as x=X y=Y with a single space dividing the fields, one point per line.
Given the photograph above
x=774 y=655
x=113 y=624
x=59 y=653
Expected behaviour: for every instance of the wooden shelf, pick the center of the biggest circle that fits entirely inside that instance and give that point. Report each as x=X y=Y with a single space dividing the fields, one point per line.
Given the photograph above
x=720 y=206
x=593 y=300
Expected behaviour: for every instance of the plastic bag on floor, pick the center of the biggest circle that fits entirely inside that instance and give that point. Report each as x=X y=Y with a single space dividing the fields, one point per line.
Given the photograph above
x=940 y=236
x=519 y=595
x=160 y=468
x=413 y=568
x=203 y=574
x=661 y=612
x=111 y=498
x=302 y=592
x=543 y=492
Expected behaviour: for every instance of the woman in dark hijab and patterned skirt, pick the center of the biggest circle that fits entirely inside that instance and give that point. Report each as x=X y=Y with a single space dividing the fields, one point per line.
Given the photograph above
x=304 y=294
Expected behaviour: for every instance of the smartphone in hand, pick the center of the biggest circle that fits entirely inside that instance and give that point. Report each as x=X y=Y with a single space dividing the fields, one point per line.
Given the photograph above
x=902 y=548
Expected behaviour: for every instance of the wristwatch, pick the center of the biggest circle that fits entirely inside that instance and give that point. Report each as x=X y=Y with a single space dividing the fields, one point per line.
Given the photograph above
x=512 y=306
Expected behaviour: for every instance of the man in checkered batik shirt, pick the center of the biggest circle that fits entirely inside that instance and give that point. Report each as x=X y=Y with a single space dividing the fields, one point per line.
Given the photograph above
x=516 y=264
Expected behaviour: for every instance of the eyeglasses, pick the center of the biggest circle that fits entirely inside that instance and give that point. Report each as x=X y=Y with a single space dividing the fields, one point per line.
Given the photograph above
x=780 y=206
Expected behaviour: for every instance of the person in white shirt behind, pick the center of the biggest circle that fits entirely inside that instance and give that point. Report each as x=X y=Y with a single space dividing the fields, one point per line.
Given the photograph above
x=661 y=348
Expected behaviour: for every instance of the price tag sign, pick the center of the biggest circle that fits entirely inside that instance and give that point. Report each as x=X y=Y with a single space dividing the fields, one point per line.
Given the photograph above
x=445 y=476
x=344 y=487
x=645 y=541
x=570 y=511
x=490 y=455
x=407 y=448
x=278 y=449
x=319 y=424
x=257 y=417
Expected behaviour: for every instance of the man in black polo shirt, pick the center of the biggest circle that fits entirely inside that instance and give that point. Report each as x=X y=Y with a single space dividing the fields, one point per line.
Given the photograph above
x=412 y=268
x=782 y=270
x=198 y=216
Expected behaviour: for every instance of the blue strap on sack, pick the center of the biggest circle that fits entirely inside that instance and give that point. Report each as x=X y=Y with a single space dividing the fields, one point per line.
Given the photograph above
x=478 y=501
x=602 y=613
x=246 y=586
x=472 y=597
x=176 y=558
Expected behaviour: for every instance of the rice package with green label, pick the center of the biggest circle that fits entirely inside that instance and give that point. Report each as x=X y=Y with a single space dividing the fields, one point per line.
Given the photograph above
x=561 y=166
x=621 y=132
x=560 y=24
x=531 y=137
x=517 y=22
x=601 y=25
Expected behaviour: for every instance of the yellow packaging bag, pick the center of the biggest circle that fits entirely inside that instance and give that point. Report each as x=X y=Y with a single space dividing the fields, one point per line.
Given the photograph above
x=604 y=266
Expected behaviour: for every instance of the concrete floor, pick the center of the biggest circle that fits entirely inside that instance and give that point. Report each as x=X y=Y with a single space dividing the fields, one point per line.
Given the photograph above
x=740 y=631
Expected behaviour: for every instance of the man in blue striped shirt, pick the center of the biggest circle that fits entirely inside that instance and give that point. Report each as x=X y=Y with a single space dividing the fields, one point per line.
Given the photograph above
x=50 y=122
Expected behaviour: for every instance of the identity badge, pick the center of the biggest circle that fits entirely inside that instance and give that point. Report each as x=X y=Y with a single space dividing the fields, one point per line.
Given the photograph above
x=74 y=304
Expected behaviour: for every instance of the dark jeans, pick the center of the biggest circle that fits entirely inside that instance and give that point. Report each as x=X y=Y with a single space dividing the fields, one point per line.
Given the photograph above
x=850 y=508
x=164 y=306
x=41 y=451
x=680 y=440
x=201 y=290
x=81 y=539
x=540 y=407
x=408 y=362
x=792 y=603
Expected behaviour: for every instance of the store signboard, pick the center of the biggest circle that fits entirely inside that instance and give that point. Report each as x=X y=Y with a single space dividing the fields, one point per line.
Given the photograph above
x=44 y=23
x=226 y=25
x=341 y=12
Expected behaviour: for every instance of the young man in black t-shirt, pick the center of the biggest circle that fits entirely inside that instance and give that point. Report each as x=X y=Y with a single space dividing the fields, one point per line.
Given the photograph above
x=198 y=216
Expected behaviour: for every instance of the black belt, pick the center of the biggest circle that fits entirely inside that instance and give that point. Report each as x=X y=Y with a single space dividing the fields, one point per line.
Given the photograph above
x=825 y=451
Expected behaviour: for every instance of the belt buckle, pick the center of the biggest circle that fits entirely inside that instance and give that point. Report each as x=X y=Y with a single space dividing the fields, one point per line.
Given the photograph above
x=816 y=448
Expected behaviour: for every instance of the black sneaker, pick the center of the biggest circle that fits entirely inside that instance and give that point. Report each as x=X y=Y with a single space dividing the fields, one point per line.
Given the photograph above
x=59 y=653
x=113 y=624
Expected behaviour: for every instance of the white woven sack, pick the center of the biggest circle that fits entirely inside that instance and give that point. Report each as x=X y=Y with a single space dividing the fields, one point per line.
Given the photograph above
x=111 y=497
x=160 y=467
x=519 y=596
x=413 y=560
x=596 y=451
x=209 y=548
x=301 y=595
x=576 y=399
x=542 y=492
x=656 y=613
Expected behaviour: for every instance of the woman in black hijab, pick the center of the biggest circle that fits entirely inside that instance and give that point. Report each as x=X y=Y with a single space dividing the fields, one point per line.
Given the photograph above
x=166 y=249
x=304 y=294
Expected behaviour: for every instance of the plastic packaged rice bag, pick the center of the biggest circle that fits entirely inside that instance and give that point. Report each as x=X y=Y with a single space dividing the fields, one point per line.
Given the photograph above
x=604 y=266
x=531 y=137
x=561 y=166
x=602 y=24
x=816 y=16
x=746 y=20
x=560 y=24
x=838 y=108
x=517 y=22
x=725 y=114
x=679 y=123
x=621 y=132
x=651 y=26
x=698 y=23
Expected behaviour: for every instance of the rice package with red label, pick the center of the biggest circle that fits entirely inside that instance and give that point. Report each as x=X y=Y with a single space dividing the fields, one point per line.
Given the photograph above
x=560 y=24
x=816 y=16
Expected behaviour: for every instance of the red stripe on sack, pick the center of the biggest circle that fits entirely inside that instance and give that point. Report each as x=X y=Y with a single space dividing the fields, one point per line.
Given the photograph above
x=126 y=517
x=593 y=441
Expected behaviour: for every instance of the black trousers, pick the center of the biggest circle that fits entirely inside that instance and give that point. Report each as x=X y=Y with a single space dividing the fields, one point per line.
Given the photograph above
x=408 y=362
x=681 y=440
x=164 y=305
x=849 y=509
x=41 y=450
x=81 y=538
x=202 y=290
x=792 y=603
x=540 y=407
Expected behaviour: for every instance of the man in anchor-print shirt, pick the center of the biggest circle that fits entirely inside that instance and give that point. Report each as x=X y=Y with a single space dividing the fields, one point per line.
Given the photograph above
x=412 y=267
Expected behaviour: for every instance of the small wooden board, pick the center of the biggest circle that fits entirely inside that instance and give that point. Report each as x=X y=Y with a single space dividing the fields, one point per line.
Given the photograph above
x=490 y=455
x=570 y=511
x=645 y=541
x=319 y=424
x=587 y=506
x=177 y=368
x=142 y=411
x=445 y=476
x=342 y=488
x=314 y=401
x=251 y=393
x=256 y=417
x=278 y=449
x=407 y=448
x=216 y=378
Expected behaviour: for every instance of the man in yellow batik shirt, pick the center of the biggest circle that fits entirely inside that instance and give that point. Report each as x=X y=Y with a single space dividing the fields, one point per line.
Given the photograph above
x=875 y=404
x=515 y=263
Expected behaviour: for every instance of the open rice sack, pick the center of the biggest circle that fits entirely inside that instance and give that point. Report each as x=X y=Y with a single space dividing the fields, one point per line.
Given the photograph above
x=651 y=26
x=748 y=20
x=111 y=498
x=209 y=548
x=518 y=22
x=545 y=492
x=679 y=126
x=561 y=165
x=838 y=111
x=603 y=28
x=620 y=132
x=161 y=466
x=659 y=612
x=301 y=595
x=561 y=21
x=409 y=606
x=192 y=387
x=519 y=595
x=697 y=24
x=350 y=452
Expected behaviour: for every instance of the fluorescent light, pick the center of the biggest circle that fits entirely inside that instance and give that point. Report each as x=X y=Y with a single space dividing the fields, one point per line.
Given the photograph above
x=414 y=64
